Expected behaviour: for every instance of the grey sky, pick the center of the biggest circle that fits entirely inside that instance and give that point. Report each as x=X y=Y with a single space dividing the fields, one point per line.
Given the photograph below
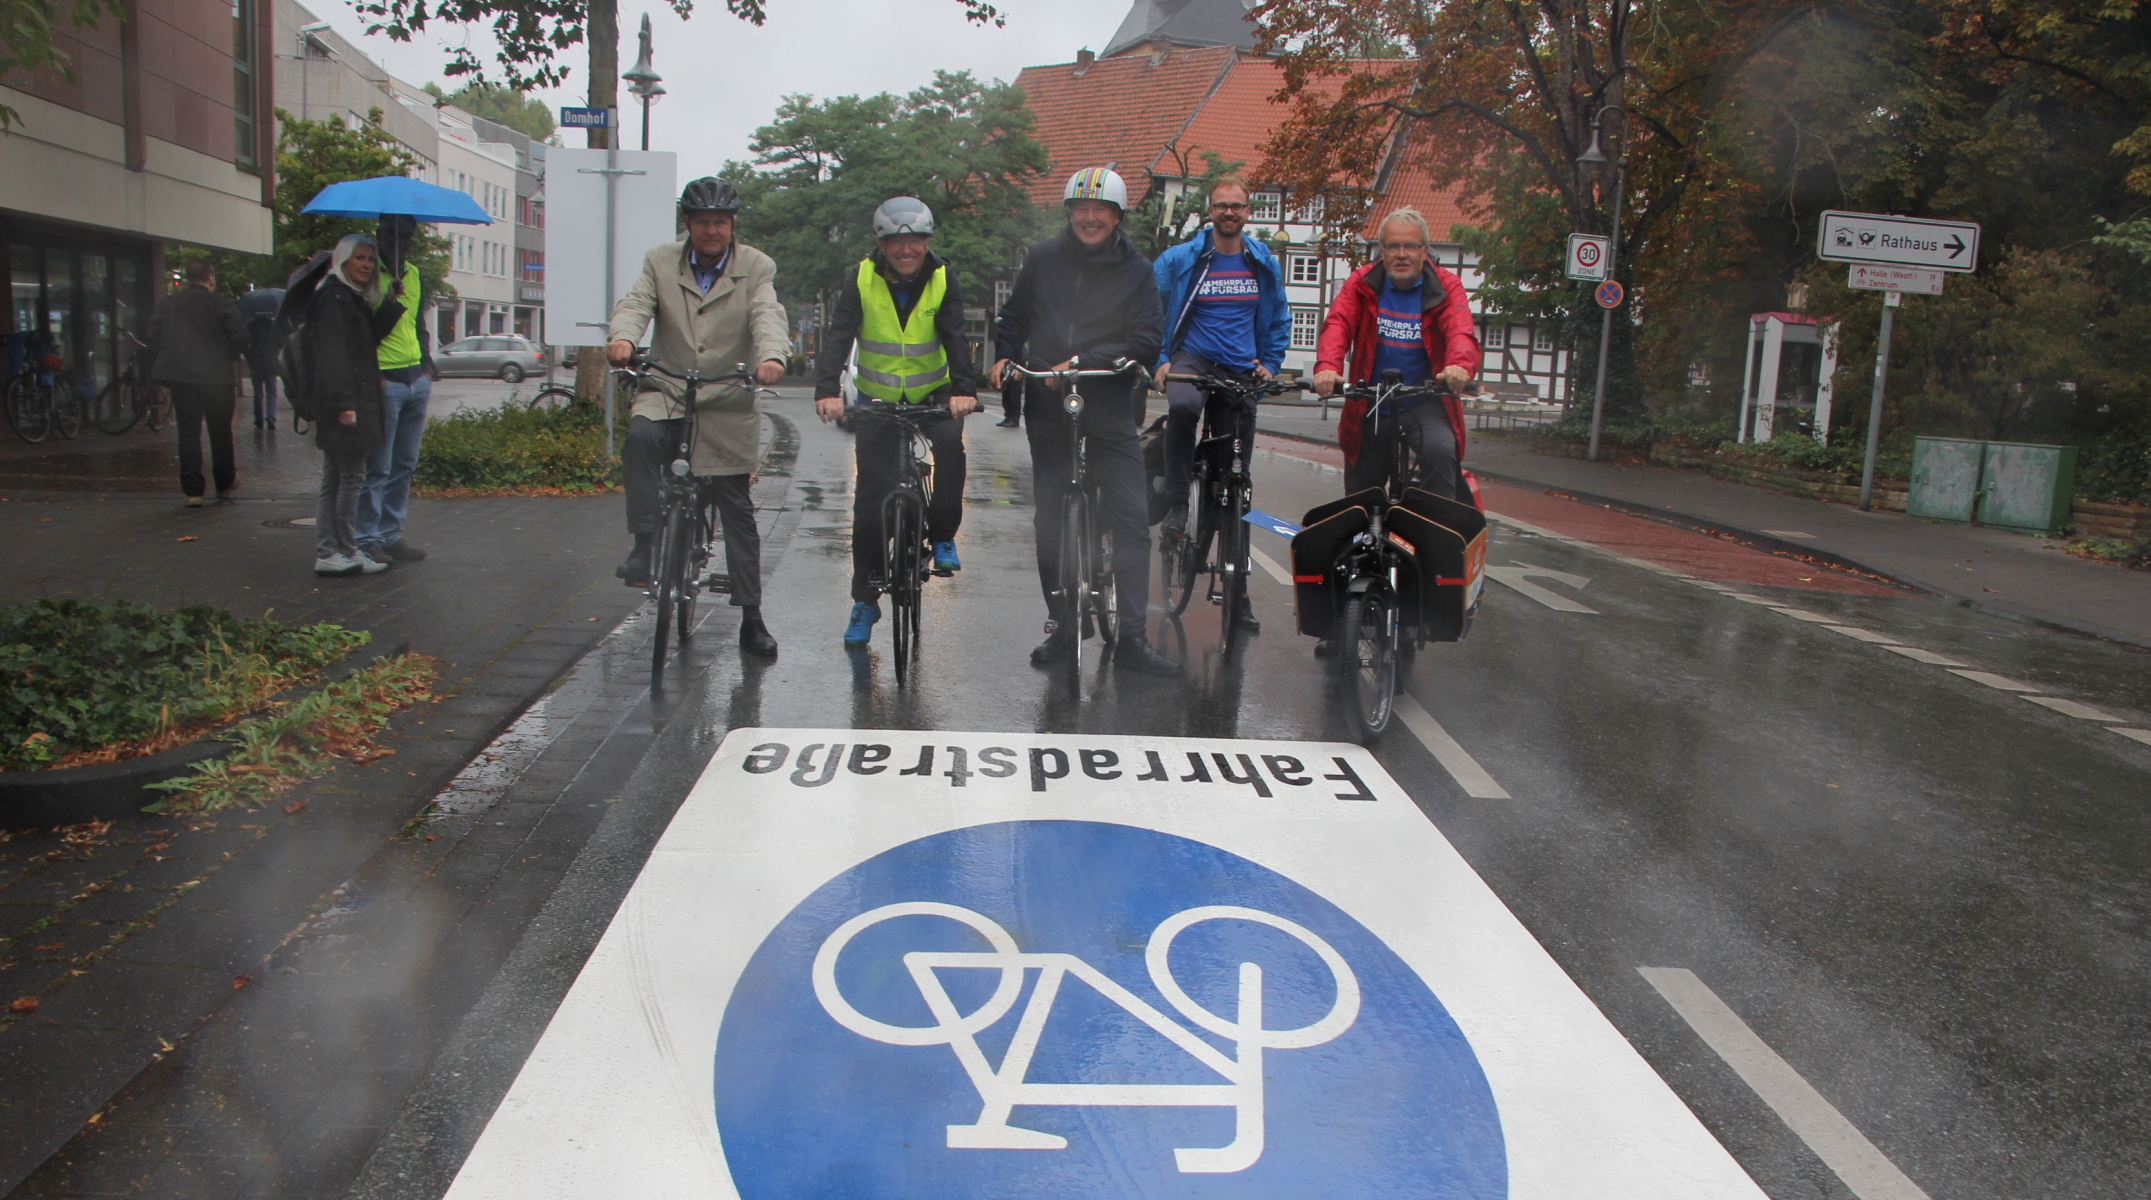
x=724 y=76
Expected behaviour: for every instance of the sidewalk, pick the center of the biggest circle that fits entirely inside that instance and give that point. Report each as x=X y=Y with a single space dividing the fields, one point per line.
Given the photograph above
x=2025 y=578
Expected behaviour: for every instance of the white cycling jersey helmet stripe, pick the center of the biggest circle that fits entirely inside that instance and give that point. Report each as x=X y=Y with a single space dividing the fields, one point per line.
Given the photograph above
x=1097 y=183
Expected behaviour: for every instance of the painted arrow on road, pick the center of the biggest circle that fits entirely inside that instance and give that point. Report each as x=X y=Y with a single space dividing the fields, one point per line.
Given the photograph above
x=1519 y=578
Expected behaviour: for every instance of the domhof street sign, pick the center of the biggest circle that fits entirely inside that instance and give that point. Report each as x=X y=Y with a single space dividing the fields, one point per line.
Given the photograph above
x=1898 y=241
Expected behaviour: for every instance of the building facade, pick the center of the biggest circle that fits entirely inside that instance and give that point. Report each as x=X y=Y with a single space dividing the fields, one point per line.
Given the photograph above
x=482 y=257
x=163 y=136
x=527 y=313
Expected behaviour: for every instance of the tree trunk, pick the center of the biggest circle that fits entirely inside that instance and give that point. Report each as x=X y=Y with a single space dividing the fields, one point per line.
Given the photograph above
x=603 y=37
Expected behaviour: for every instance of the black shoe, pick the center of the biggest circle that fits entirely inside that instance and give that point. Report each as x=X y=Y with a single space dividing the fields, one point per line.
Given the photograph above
x=1056 y=647
x=1247 y=621
x=402 y=551
x=1138 y=655
x=1326 y=648
x=755 y=639
x=636 y=570
x=1006 y=423
x=1176 y=520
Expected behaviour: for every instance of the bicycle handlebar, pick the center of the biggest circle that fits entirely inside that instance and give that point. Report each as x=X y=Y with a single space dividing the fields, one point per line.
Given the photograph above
x=1245 y=387
x=1126 y=367
x=643 y=364
x=915 y=413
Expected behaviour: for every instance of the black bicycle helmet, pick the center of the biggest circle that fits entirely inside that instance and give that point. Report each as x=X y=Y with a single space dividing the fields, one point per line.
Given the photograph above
x=709 y=194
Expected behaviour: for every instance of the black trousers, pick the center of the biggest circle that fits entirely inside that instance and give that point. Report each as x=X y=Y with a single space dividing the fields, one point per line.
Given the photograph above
x=1012 y=402
x=1183 y=421
x=879 y=448
x=265 y=397
x=1116 y=465
x=650 y=447
x=194 y=406
x=1427 y=431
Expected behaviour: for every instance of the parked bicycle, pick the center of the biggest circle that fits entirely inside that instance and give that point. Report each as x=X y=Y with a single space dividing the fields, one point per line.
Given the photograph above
x=907 y=558
x=130 y=398
x=1386 y=570
x=1224 y=492
x=1085 y=592
x=39 y=398
x=686 y=524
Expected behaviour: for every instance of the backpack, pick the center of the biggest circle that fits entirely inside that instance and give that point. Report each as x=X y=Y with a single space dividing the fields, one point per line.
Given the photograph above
x=291 y=370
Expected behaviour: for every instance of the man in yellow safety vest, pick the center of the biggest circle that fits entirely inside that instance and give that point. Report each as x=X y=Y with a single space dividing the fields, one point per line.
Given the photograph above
x=904 y=312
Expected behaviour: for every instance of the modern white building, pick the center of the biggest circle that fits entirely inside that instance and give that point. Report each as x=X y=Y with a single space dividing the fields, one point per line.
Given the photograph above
x=482 y=264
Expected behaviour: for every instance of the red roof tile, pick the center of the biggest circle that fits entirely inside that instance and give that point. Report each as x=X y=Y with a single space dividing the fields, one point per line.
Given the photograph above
x=1408 y=184
x=1121 y=110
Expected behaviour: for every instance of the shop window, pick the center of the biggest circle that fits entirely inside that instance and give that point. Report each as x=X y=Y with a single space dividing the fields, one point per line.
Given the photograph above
x=26 y=286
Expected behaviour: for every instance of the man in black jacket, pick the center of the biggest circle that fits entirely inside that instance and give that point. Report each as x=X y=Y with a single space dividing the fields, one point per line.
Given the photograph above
x=1086 y=299
x=193 y=338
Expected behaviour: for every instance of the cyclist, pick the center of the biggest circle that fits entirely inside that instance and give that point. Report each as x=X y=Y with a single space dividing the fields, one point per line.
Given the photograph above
x=715 y=304
x=903 y=308
x=1086 y=299
x=1225 y=312
x=1402 y=312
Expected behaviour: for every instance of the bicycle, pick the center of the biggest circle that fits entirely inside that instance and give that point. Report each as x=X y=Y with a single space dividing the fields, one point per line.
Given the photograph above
x=906 y=557
x=1224 y=492
x=554 y=398
x=129 y=398
x=1386 y=570
x=1084 y=588
x=33 y=408
x=686 y=523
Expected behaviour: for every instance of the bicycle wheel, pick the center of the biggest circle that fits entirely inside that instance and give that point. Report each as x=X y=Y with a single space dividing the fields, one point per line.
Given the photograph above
x=1103 y=593
x=29 y=410
x=900 y=565
x=156 y=404
x=685 y=552
x=1180 y=558
x=1074 y=579
x=664 y=584
x=66 y=409
x=1367 y=662
x=119 y=406
x=1232 y=568
x=552 y=399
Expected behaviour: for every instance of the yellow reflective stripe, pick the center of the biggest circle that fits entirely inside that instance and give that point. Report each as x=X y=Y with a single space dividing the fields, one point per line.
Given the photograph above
x=899 y=349
x=903 y=381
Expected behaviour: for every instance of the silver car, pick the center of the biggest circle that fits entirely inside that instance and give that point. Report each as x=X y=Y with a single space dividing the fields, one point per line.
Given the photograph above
x=510 y=358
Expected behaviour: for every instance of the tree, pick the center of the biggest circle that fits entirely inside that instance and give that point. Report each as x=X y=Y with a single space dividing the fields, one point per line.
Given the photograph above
x=525 y=114
x=26 y=31
x=822 y=167
x=1157 y=223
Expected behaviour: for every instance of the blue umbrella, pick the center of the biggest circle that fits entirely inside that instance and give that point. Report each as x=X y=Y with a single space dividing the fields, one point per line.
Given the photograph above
x=398 y=195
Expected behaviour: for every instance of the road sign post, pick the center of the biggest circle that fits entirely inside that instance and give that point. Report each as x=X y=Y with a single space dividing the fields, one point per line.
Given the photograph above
x=1874 y=408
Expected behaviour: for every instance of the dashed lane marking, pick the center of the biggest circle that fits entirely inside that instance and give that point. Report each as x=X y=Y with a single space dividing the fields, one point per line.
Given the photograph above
x=2070 y=708
x=1998 y=682
x=1864 y=635
x=1926 y=656
x=1454 y=759
x=2135 y=735
x=1269 y=564
x=1836 y=1141
x=1801 y=614
x=1518 y=578
x=1789 y=533
x=1745 y=598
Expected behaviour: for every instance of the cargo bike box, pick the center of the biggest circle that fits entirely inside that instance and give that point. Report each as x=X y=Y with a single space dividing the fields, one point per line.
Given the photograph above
x=1442 y=570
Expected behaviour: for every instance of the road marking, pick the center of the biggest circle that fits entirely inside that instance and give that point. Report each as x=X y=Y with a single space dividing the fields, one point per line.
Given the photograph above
x=1926 y=656
x=1841 y=1146
x=2070 y=708
x=1801 y=614
x=1859 y=634
x=2138 y=735
x=1454 y=759
x=1745 y=598
x=1518 y=577
x=1789 y=533
x=1712 y=584
x=1995 y=681
x=1593 y=547
x=1270 y=564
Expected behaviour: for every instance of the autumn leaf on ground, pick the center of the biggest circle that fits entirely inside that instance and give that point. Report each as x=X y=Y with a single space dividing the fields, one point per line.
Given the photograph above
x=22 y=1004
x=295 y=806
x=189 y=538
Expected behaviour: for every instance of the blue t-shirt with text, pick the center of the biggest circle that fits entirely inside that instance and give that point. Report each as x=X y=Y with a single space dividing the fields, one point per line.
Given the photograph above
x=1221 y=320
x=1399 y=337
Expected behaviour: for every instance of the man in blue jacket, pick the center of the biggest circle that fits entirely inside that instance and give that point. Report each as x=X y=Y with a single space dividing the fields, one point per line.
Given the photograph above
x=1225 y=314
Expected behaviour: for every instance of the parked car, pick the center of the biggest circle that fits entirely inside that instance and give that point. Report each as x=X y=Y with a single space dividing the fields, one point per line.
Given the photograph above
x=510 y=358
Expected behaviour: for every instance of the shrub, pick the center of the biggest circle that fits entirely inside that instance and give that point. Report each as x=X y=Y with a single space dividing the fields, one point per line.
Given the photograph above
x=87 y=681
x=512 y=450
x=2116 y=466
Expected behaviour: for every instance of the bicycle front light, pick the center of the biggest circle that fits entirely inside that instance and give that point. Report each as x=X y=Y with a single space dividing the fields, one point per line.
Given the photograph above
x=679 y=467
x=1074 y=404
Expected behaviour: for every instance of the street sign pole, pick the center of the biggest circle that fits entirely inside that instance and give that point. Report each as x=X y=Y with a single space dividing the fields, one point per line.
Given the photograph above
x=612 y=171
x=1605 y=323
x=1890 y=301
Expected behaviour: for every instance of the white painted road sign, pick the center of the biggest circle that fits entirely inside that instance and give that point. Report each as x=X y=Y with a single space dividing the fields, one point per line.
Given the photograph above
x=1588 y=254
x=1870 y=278
x=1898 y=241
x=951 y=965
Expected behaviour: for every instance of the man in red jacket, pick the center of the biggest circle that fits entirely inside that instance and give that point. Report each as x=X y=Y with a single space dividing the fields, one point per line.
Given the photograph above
x=1407 y=313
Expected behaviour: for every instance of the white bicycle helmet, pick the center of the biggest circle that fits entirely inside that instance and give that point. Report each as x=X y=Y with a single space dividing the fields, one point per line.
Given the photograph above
x=904 y=214
x=1097 y=183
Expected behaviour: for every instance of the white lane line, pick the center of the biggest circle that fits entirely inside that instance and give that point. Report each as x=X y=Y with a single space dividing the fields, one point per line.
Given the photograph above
x=1997 y=682
x=1789 y=533
x=1454 y=759
x=1518 y=578
x=1865 y=635
x=2139 y=735
x=1745 y=598
x=1801 y=614
x=1926 y=656
x=1270 y=564
x=1840 y=1145
x=2070 y=708
x=1712 y=584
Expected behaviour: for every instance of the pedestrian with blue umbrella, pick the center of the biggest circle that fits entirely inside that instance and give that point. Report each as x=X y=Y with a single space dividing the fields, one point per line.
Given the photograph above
x=400 y=205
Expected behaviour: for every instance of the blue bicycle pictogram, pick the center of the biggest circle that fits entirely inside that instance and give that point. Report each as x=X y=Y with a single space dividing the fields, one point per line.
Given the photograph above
x=1076 y=1008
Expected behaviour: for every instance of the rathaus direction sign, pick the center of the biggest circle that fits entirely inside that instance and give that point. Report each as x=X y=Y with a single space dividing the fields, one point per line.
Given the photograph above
x=1898 y=241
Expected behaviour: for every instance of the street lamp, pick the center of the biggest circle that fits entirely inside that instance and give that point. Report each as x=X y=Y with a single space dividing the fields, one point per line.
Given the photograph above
x=1594 y=158
x=642 y=80
x=306 y=58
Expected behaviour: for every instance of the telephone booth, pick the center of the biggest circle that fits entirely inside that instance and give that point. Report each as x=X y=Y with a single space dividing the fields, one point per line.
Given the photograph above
x=1786 y=381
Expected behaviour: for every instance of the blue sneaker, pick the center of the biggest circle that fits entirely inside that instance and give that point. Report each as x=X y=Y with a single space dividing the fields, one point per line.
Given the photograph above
x=945 y=557
x=861 y=629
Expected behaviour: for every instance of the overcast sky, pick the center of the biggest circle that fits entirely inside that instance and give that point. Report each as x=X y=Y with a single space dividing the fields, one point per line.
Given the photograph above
x=724 y=76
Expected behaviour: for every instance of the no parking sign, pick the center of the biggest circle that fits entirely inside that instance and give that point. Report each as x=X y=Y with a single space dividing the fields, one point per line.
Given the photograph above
x=899 y=964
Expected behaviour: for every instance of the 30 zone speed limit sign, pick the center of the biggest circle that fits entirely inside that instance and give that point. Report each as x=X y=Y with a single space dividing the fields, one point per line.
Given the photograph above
x=1588 y=254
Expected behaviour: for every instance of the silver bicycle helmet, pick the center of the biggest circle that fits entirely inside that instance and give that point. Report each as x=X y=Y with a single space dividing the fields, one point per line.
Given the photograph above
x=904 y=214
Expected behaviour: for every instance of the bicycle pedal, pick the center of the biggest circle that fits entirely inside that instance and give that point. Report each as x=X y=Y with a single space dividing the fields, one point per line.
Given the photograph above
x=717 y=583
x=941 y=574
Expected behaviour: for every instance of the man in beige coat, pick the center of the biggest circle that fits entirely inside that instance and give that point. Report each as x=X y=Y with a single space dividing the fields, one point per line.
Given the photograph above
x=715 y=304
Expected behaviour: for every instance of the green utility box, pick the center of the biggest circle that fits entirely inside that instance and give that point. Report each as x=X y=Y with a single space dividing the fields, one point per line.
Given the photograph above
x=2026 y=488
x=1945 y=478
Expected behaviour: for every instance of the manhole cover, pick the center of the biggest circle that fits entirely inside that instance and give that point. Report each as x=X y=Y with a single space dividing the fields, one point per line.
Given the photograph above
x=289 y=523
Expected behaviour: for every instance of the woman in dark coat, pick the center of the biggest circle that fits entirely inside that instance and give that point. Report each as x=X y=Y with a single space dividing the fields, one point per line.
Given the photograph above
x=344 y=373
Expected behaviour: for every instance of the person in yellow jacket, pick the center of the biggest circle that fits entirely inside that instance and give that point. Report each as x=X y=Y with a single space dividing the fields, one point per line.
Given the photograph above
x=904 y=311
x=406 y=355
